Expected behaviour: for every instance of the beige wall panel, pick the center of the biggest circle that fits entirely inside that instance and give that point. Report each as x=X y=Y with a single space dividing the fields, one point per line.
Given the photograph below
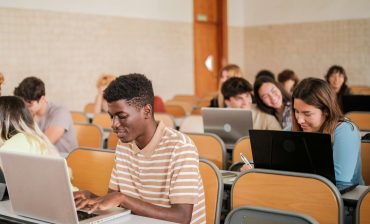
x=237 y=46
x=69 y=51
x=310 y=49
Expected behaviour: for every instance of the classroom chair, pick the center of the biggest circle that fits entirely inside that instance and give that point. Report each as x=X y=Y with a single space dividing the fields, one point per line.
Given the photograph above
x=88 y=135
x=79 y=117
x=91 y=169
x=261 y=215
x=103 y=120
x=112 y=141
x=305 y=193
x=213 y=190
x=242 y=145
x=210 y=147
x=89 y=108
x=166 y=118
x=360 y=118
x=363 y=208
x=365 y=159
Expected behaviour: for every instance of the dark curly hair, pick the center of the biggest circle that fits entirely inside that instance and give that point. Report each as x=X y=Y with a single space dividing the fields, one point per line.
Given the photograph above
x=31 y=88
x=135 y=88
x=235 y=86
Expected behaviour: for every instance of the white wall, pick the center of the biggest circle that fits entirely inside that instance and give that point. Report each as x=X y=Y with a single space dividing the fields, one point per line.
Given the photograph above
x=168 y=10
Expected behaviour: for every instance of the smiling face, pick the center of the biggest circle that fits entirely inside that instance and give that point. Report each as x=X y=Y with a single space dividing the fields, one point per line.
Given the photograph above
x=336 y=81
x=271 y=95
x=309 y=118
x=128 y=122
x=243 y=101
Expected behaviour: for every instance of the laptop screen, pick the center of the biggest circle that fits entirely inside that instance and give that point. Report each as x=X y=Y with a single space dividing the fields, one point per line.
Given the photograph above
x=293 y=151
x=228 y=123
x=356 y=103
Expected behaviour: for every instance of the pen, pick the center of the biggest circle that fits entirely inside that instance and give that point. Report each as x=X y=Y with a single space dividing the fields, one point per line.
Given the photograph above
x=245 y=160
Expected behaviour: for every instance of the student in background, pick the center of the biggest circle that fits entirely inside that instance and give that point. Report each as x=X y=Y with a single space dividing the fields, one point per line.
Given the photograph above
x=1 y=81
x=238 y=93
x=226 y=72
x=271 y=98
x=337 y=78
x=19 y=132
x=316 y=110
x=156 y=172
x=102 y=83
x=288 y=79
x=55 y=121
x=265 y=73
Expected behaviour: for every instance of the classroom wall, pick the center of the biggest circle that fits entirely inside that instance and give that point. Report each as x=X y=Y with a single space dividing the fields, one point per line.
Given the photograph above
x=307 y=36
x=70 y=50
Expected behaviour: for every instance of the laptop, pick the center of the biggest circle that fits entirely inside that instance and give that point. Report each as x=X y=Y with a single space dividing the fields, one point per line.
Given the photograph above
x=39 y=188
x=355 y=103
x=229 y=124
x=295 y=151
x=3 y=190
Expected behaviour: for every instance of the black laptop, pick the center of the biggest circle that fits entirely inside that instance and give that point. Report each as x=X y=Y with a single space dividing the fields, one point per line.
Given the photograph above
x=356 y=103
x=3 y=190
x=295 y=151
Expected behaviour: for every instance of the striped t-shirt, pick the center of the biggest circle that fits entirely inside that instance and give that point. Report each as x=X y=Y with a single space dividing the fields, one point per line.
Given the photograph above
x=164 y=172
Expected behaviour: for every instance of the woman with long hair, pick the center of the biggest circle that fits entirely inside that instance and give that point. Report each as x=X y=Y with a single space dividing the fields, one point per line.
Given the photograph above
x=271 y=98
x=19 y=131
x=316 y=110
x=337 y=79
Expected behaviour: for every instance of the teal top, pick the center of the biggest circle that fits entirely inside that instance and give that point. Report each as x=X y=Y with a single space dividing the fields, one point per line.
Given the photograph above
x=347 y=154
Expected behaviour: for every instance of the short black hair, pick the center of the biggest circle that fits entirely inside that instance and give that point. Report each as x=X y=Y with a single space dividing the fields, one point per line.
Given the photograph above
x=31 y=88
x=265 y=73
x=135 y=88
x=235 y=86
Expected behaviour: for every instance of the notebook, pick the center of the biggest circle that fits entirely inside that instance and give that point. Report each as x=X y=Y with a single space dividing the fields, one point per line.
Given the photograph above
x=228 y=123
x=295 y=151
x=39 y=188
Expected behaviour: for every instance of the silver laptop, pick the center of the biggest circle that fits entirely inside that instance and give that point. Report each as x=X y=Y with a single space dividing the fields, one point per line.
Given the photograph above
x=228 y=123
x=39 y=188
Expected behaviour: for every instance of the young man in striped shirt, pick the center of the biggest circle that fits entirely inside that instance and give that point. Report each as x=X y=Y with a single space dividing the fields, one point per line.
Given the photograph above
x=156 y=173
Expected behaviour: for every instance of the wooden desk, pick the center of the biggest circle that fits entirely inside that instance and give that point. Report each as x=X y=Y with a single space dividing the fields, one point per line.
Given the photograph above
x=7 y=214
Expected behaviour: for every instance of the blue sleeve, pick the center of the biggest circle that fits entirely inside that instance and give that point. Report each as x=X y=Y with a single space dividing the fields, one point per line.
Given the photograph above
x=346 y=153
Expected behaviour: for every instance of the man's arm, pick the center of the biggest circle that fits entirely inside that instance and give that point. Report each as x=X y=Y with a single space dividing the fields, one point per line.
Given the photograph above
x=180 y=213
x=54 y=133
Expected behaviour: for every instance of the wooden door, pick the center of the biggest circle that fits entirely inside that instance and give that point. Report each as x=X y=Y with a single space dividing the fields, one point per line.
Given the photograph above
x=210 y=44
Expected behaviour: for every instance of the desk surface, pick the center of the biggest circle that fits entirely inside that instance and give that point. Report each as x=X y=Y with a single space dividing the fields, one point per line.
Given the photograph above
x=6 y=211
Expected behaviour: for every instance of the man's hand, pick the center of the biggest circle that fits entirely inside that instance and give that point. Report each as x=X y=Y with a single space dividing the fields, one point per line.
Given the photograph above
x=81 y=196
x=108 y=201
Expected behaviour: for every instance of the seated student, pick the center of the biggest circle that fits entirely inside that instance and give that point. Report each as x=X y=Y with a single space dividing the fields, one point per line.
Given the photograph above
x=55 y=121
x=156 y=172
x=100 y=105
x=19 y=132
x=271 y=98
x=237 y=93
x=226 y=72
x=316 y=110
x=337 y=78
x=288 y=79
x=265 y=73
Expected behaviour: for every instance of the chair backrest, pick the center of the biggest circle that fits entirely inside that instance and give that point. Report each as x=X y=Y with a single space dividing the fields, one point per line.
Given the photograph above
x=187 y=106
x=365 y=159
x=166 y=118
x=112 y=140
x=363 y=208
x=88 y=135
x=261 y=215
x=103 y=120
x=360 y=118
x=242 y=145
x=177 y=111
x=89 y=108
x=297 y=192
x=210 y=147
x=213 y=190
x=360 y=90
x=91 y=169
x=79 y=117
x=159 y=105
x=192 y=123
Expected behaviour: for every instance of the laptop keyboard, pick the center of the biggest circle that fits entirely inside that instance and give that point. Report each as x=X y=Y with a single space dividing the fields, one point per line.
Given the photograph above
x=84 y=215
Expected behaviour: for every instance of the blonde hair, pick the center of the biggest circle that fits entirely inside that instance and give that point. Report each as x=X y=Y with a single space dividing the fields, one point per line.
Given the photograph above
x=1 y=78
x=232 y=71
x=104 y=80
x=15 y=118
